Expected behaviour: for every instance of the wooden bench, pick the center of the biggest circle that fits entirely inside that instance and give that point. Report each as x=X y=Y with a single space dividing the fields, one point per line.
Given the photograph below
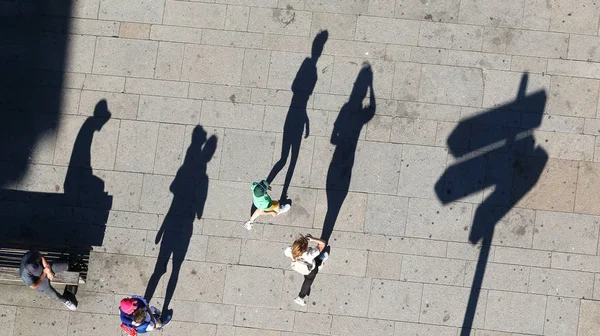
x=10 y=262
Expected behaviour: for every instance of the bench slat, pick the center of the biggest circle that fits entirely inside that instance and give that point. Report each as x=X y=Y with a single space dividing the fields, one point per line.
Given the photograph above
x=63 y=278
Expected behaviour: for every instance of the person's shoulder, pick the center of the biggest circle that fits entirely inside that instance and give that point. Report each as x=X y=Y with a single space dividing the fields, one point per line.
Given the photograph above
x=126 y=318
x=27 y=278
x=26 y=256
x=140 y=299
x=22 y=266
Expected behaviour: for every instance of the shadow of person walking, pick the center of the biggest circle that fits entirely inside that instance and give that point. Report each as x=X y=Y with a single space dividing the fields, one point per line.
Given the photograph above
x=505 y=158
x=296 y=119
x=346 y=131
x=189 y=189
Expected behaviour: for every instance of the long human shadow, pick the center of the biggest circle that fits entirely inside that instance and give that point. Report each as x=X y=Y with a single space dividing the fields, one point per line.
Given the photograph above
x=75 y=218
x=296 y=119
x=346 y=130
x=33 y=47
x=189 y=189
x=503 y=157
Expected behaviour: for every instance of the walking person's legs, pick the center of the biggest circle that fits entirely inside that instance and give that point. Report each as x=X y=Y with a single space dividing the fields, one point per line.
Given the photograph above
x=255 y=214
x=290 y=171
x=307 y=283
x=47 y=289
x=63 y=266
x=176 y=263
x=275 y=209
x=285 y=150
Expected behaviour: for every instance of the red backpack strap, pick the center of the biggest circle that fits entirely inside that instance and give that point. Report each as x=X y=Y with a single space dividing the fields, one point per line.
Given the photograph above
x=129 y=330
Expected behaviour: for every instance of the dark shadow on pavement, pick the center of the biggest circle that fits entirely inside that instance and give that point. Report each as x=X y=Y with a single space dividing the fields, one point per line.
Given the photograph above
x=33 y=47
x=189 y=188
x=68 y=223
x=346 y=130
x=296 y=120
x=75 y=218
x=493 y=151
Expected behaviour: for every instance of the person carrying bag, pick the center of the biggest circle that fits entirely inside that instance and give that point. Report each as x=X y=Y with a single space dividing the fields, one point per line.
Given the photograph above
x=306 y=261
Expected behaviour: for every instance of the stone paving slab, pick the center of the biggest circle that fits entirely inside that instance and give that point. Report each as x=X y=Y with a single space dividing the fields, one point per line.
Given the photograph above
x=7 y=319
x=588 y=318
x=401 y=261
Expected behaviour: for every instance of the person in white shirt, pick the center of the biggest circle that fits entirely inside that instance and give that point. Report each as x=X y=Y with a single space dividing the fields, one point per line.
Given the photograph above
x=312 y=256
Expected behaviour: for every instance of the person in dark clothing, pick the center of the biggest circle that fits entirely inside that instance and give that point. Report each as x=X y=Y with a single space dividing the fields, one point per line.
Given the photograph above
x=37 y=273
x=313 y=257
x=137 y=314
x=128 y=305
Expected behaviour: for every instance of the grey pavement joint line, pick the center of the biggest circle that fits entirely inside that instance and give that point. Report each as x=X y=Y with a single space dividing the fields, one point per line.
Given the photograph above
x=155 y=61
x=545 y=314
x=114 y=158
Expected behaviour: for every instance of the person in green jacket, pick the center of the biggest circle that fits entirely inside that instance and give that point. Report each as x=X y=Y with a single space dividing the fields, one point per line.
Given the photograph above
x=263 y=203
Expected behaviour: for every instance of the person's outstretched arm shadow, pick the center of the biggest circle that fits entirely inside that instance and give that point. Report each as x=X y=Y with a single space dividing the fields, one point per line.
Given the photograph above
x=353 y=114
x=510 y=186
x=369 y=111
x=306 y=126
x=208 y=151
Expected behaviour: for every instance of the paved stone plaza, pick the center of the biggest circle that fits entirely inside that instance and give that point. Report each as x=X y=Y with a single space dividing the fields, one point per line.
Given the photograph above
x=457 y=142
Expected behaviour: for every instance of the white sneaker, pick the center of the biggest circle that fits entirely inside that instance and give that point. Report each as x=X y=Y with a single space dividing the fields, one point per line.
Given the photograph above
x=248 y=225
x=300 y=301
x=70 y=305
x=284 y=208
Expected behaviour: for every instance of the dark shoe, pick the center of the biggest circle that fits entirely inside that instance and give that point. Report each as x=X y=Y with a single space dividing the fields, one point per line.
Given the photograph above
x=166 y=318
